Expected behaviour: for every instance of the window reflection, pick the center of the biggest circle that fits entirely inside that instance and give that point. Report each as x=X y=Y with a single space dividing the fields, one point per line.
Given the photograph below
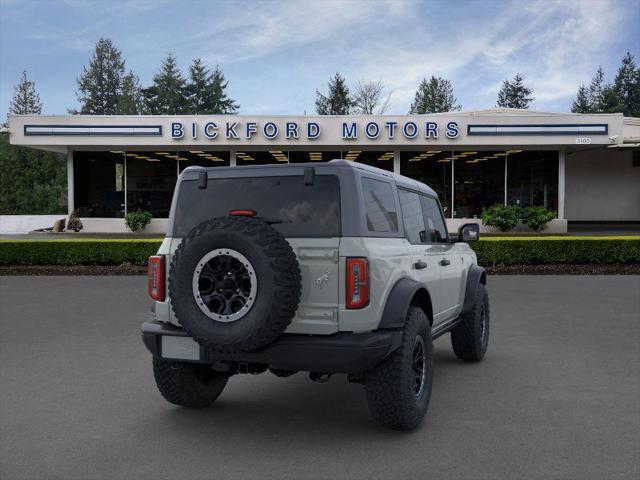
x=532 y=179
x=479 y=182
x=433 y=168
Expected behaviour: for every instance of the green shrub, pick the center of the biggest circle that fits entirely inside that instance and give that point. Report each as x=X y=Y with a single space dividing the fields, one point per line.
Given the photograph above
x=536 y=217
x=137 y=220
x=572 y=250
x=503 y=217
x=77 y=252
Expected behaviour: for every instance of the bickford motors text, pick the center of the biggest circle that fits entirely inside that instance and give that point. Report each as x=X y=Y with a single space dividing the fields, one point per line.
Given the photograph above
x=312 y=130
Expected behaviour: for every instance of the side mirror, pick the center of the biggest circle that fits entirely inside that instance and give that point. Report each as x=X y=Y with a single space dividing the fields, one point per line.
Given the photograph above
x=469 y=232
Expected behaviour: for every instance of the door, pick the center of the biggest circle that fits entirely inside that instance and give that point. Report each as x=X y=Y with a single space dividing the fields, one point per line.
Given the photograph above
x=449 y=261
x=425 y=257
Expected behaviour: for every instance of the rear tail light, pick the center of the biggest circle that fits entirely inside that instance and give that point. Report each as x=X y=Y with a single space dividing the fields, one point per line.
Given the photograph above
x=156 y=277
x=242 y=213
x=357 y=282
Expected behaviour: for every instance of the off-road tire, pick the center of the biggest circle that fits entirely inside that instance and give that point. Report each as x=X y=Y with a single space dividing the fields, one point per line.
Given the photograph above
x=469 y=339
x=278 y=280
x=390 y=386
x=188 y=384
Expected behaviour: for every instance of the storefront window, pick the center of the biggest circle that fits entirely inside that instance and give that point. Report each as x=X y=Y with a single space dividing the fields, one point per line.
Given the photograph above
x=151 y=179
x=380 y=159
x=532 y=179
x=262 y=157
x=433 y=168
x=478 y=182
x=201 y=158
x=99 y=184
x=313 y=156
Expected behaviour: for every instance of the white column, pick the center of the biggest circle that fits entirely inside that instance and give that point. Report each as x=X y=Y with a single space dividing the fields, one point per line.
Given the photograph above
x=396 y=161
x=453 y=182
x=232 y=158
x=561 y=177
x=506 y=164
x=71 y=204
x=125 y=186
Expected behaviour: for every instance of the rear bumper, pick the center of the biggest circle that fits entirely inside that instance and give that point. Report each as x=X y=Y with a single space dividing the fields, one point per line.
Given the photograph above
x=339 y=353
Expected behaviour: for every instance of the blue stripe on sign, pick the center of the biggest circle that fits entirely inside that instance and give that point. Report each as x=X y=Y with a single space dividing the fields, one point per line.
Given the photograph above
x=532 y=129
x=94 y=130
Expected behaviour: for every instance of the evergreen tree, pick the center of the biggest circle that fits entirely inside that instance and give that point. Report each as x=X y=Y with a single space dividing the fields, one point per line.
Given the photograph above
x=167 y=95
x=433 y=96
x=627 y=86
x=130 y=101
x=196 y=89
x=218 y=100
x=581 y=104
x=514 y=94
x=596 y=91
x=206 y=92
x=338 y=101
x=25 y=99
x=99 y=86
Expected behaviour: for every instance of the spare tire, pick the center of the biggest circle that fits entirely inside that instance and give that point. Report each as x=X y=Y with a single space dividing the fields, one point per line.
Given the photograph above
x=234 y=284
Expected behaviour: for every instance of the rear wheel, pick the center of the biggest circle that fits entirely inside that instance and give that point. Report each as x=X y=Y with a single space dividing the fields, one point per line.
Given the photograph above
x=470 y=338
x=188 y=384
x=399 y=389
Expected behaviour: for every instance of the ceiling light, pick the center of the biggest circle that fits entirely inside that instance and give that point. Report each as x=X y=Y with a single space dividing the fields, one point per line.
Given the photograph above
x=434 y=151
x=196 y=151
x=162 y=153
x=153 y=159
x=514 y=151
x=116 y=151
x=444 y=160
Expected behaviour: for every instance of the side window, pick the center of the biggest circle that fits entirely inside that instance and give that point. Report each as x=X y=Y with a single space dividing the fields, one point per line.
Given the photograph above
x=412 y=216
x=380 y=206
x=436 y=228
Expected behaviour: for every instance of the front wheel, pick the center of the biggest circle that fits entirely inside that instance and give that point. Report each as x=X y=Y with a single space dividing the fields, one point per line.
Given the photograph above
x=470 y=338
x=399 y=389
x=187 y=384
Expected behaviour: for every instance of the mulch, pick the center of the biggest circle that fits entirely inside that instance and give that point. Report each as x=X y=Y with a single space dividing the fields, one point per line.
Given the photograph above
x=550 y=269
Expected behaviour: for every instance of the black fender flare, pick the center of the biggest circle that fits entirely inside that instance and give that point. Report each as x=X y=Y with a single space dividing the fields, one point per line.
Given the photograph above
x=475 y=277
x=396 y=308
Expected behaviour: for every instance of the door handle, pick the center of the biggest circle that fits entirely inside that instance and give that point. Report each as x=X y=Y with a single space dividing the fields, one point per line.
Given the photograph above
x=444 y=262
x=419 y=265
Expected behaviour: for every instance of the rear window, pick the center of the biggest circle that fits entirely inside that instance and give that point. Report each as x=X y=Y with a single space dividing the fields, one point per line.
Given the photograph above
x=306 y=210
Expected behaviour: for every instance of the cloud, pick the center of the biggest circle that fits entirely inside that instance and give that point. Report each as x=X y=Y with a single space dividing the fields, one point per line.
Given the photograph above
x=276 y=54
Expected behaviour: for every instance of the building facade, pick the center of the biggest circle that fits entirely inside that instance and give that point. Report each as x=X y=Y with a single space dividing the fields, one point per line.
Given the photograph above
x=583 y=167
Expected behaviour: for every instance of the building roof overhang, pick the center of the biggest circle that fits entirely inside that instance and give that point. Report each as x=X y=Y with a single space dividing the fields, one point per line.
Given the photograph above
x=452 y=130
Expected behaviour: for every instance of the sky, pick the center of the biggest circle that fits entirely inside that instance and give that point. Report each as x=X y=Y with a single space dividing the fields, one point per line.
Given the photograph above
x=275 y=54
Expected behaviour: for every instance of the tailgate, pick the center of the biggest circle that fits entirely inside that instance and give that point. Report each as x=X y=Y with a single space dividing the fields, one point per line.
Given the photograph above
x=318 y=309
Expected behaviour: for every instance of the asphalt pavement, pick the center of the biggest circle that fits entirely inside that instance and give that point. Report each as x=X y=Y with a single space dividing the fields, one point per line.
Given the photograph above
x=557 y=396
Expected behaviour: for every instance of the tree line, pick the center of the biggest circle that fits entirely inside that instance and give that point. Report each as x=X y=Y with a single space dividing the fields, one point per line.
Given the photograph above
x=435 y=95
x=33 y=181
x=106 y=88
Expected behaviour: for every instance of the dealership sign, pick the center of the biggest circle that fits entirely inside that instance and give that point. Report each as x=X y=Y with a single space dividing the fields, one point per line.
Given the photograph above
x=292 y=130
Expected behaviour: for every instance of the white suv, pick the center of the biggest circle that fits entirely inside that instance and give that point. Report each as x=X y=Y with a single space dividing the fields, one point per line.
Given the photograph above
x=327 y=268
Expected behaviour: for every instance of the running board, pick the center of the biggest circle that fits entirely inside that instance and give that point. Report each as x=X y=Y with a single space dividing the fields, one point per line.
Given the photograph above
x=444 y=327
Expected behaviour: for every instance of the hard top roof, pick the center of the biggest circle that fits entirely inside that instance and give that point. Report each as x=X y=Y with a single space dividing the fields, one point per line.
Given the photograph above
x=400 y=180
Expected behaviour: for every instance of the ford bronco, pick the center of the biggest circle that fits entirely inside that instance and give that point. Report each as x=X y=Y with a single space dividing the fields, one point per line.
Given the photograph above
x=326 y=268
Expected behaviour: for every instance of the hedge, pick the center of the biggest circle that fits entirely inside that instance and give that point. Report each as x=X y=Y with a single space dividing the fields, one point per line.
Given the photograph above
x=496 y=251
x=492 y=251
x=77 y=252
